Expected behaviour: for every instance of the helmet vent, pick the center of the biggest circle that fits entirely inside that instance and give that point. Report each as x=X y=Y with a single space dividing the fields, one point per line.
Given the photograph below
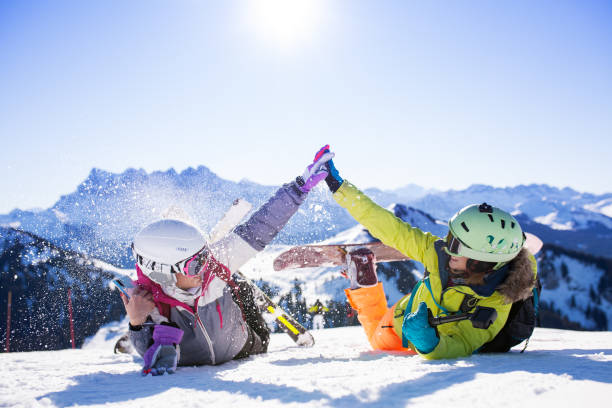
x=465 y=227
x=491 y=217
x=503 y=223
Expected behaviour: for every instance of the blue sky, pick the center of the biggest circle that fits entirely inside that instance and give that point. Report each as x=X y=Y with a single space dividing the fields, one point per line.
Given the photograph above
x=440 y=94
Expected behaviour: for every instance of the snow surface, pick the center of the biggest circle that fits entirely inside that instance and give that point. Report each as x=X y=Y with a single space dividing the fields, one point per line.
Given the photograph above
x=560 y=368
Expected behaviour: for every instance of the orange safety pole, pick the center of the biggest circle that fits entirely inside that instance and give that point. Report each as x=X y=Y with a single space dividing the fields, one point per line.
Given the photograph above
x=8 y=322
x=71 y=321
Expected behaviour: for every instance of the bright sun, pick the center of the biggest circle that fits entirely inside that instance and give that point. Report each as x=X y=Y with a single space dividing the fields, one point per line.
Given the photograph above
x=285 y=23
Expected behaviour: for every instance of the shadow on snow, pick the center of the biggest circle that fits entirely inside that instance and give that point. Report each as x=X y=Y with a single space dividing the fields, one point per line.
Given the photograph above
x=103 y=388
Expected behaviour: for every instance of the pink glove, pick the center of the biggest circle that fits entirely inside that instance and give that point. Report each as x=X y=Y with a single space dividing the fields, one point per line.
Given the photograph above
x=316 y=171
x=162 y=356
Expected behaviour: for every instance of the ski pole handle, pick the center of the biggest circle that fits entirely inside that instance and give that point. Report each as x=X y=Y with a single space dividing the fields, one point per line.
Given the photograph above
x=482 y=318
x=436 y=321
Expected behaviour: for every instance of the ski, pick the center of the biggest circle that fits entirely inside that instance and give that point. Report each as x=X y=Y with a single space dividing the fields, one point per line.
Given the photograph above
x=298 y=333
x=310 y=256
x=239 y=209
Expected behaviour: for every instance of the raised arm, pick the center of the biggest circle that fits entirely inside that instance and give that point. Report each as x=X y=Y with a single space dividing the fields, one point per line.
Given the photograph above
x=385 y=226
x=380 y=222
x=260 y=229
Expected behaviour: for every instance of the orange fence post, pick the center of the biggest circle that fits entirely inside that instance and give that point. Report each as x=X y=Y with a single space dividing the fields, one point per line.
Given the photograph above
x=71 y=321
x=8 y=322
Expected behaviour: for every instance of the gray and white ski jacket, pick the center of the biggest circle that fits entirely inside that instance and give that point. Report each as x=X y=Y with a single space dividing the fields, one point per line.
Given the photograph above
x=214 y=328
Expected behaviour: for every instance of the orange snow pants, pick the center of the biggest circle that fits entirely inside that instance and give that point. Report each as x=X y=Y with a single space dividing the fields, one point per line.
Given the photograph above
x=376 y=318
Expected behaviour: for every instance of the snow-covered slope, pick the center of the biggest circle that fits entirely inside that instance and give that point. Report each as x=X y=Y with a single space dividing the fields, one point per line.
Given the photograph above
x=577 y=287
x=327 y=283
x=559 y=369
x=40 y=277
x=603 y=206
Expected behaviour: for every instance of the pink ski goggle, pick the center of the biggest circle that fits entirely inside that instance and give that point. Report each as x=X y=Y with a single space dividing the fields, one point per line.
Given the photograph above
x=197 y=264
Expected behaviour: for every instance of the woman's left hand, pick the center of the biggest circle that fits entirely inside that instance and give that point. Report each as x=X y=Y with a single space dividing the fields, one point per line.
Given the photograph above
x=416 y=329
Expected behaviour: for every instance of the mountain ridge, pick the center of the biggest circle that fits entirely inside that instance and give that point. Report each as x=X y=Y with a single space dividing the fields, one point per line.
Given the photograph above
x=107 y=209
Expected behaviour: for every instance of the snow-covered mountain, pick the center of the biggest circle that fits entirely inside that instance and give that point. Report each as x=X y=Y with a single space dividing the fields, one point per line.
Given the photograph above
x=104 y=213
x=561 y=209
x=107 y=209
x=565 y=217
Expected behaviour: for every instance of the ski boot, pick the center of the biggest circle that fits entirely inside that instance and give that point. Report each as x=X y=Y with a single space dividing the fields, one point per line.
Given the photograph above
x=123 y=345
x=361 y=268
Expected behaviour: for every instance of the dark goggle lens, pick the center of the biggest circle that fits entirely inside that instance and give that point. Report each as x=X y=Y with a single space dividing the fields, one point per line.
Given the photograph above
x=198 y=262
x=453 y=245
x=195 y=266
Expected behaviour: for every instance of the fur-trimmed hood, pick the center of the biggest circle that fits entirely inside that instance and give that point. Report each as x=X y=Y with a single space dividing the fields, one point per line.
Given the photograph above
x=521 y=279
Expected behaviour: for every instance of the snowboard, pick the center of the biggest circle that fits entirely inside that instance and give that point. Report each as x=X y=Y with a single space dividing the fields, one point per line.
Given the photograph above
x=533 y=243
x=310 y=256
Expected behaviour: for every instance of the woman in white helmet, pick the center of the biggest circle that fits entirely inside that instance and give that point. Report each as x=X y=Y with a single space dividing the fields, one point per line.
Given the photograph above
x=187 y=308
x=481 y=263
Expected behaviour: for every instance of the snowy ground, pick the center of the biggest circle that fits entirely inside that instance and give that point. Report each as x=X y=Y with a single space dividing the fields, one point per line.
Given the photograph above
x=560 y=368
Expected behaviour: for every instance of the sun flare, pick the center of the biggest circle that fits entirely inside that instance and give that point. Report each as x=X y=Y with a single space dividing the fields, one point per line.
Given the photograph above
x=285 y=23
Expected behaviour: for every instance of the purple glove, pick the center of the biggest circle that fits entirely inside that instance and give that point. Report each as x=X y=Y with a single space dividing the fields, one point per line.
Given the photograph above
x=315 y=172
x=162 y=356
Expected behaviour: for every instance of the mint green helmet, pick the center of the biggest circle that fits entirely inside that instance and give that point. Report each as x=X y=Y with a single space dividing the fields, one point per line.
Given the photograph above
x=485 y=233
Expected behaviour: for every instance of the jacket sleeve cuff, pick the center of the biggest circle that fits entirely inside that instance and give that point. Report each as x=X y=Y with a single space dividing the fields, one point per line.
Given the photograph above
x=343 y=191
x=135 y=328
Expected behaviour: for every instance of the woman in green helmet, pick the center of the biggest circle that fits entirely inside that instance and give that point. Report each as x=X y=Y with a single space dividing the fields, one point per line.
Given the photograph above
x=480 y=266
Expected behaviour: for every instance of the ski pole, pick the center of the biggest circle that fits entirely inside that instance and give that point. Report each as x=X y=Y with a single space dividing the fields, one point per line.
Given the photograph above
x=482 y=318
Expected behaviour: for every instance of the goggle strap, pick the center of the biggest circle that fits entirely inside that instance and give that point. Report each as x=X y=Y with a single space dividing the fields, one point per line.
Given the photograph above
x=155 y=266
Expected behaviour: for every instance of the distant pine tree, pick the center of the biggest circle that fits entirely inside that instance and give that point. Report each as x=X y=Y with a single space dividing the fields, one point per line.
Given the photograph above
x=294 y=302
x=39 y=275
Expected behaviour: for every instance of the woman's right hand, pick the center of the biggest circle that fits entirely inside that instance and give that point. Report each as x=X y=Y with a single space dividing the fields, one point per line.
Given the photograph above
x=139 y=306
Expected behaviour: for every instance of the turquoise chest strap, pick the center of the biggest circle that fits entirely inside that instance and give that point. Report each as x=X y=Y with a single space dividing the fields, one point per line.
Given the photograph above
x=428 y=285
x=408 y=309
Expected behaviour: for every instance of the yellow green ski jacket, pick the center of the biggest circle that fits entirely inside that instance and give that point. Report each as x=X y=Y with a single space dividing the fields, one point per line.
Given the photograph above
x=458 y=338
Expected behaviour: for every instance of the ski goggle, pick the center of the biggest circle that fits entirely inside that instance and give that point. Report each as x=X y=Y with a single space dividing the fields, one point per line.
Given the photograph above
x=197 y=264
x=164 y=273
x=454 y=247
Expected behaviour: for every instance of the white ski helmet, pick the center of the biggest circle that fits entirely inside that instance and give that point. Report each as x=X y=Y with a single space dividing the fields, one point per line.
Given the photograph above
x=161 y=247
